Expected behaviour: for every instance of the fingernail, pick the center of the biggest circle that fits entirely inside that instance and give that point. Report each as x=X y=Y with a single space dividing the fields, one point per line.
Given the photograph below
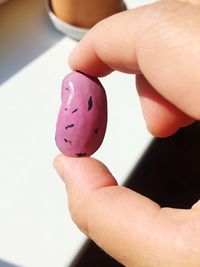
x=59 y=168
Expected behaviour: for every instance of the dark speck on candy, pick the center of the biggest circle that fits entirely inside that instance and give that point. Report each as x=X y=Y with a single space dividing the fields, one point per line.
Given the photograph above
x=80 y=154
x=74 y=110
x=68 y=141
x=69 y=126
x=90 y=103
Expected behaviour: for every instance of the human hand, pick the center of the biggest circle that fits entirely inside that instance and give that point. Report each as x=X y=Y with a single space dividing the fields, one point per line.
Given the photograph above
x=160 y=43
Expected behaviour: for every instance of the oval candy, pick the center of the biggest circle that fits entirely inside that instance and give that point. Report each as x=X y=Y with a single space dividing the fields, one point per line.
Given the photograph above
x=82 y=118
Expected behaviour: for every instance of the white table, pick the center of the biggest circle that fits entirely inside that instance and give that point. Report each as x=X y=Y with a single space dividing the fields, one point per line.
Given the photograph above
x=35 y=227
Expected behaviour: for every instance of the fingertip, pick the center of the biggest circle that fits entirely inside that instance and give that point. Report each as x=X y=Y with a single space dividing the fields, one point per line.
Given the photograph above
x=163 y=121
x=83 y=174
x=57 y=163
x=160 y=131
x=162 y=117
x=106 y=47
x=72 y=57
x=85 y=59
x=83 y=177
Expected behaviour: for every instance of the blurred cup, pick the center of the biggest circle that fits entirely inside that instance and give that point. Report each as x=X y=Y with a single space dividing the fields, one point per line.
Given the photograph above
x=85 y=13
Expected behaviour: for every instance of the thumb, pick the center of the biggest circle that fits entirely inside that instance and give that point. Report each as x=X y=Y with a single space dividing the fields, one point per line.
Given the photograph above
x=128 y=226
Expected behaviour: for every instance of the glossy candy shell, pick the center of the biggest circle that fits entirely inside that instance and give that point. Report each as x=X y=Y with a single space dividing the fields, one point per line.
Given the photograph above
x=82 y=118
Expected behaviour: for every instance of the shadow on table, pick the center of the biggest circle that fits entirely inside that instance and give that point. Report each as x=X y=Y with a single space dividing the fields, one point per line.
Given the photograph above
x=168 y=173
x=26 y=33
x=7 y=264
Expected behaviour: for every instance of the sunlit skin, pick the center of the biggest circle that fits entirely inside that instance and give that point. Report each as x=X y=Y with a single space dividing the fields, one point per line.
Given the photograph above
x=162 y=48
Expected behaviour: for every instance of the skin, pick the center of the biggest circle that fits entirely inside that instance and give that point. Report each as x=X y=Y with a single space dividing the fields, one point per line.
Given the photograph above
x=162 y=48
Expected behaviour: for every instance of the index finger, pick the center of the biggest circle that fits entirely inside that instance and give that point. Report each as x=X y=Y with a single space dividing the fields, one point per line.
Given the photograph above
x=160 y=40
x=106 y=47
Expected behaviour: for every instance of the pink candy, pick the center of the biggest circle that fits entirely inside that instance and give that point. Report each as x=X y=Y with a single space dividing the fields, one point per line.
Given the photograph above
x=82 y=118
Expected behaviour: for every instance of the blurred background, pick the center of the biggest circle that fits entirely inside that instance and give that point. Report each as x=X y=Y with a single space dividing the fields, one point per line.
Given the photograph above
x=35 y=226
